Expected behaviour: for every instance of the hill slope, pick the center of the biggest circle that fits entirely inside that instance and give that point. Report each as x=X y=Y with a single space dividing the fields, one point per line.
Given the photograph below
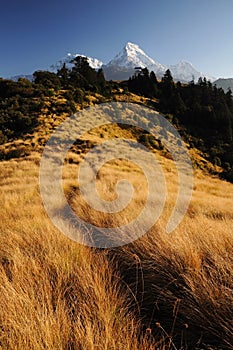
x=58 y=294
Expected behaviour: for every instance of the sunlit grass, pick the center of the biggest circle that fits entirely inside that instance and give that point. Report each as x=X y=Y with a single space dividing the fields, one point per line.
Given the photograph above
x=159 y=292
x=58 y=294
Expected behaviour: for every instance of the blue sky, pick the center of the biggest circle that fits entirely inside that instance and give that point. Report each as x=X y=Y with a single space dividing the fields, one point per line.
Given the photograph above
x=36 y=34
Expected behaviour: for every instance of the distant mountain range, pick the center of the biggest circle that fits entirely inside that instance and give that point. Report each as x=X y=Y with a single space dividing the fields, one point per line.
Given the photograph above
x=123 y=65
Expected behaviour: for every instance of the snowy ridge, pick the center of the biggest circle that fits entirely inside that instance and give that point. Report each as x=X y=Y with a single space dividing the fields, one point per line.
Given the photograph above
x=93 y=62
x=184 y=71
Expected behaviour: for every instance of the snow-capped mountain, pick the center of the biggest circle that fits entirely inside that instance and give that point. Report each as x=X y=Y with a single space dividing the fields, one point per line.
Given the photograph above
x=131 y=56
x=184 y=71
x=224 y=83
x=122 y=66
x=93 y=62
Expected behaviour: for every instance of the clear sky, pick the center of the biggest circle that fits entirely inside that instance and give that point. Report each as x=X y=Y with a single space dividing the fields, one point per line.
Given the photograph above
x=37 y=33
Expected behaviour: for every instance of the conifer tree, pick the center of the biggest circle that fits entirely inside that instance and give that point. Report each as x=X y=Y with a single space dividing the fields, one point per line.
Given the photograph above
x=63 y=74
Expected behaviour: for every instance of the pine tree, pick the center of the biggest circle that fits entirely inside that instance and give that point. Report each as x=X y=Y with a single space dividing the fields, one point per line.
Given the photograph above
x=82 y=75
x=63 y=74
x=153 y=78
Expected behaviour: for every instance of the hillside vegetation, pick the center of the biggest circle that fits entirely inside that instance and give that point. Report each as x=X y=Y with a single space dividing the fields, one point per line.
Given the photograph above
x=159 y=292
x=202 y=112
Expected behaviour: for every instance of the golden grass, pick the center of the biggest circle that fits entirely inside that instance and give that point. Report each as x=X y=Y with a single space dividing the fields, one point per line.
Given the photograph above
x=58 y=294
x=189 y=271
x=55 y=293
x=160 y=292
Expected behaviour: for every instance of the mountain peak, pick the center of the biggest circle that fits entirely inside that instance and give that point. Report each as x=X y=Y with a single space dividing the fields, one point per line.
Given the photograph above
x=185 y=71
x=133 y=51
x=131 y=46
x=132 y=56
x=183 y=62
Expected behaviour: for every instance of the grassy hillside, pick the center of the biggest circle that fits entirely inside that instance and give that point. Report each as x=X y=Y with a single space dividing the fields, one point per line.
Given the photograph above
x=160 y=292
